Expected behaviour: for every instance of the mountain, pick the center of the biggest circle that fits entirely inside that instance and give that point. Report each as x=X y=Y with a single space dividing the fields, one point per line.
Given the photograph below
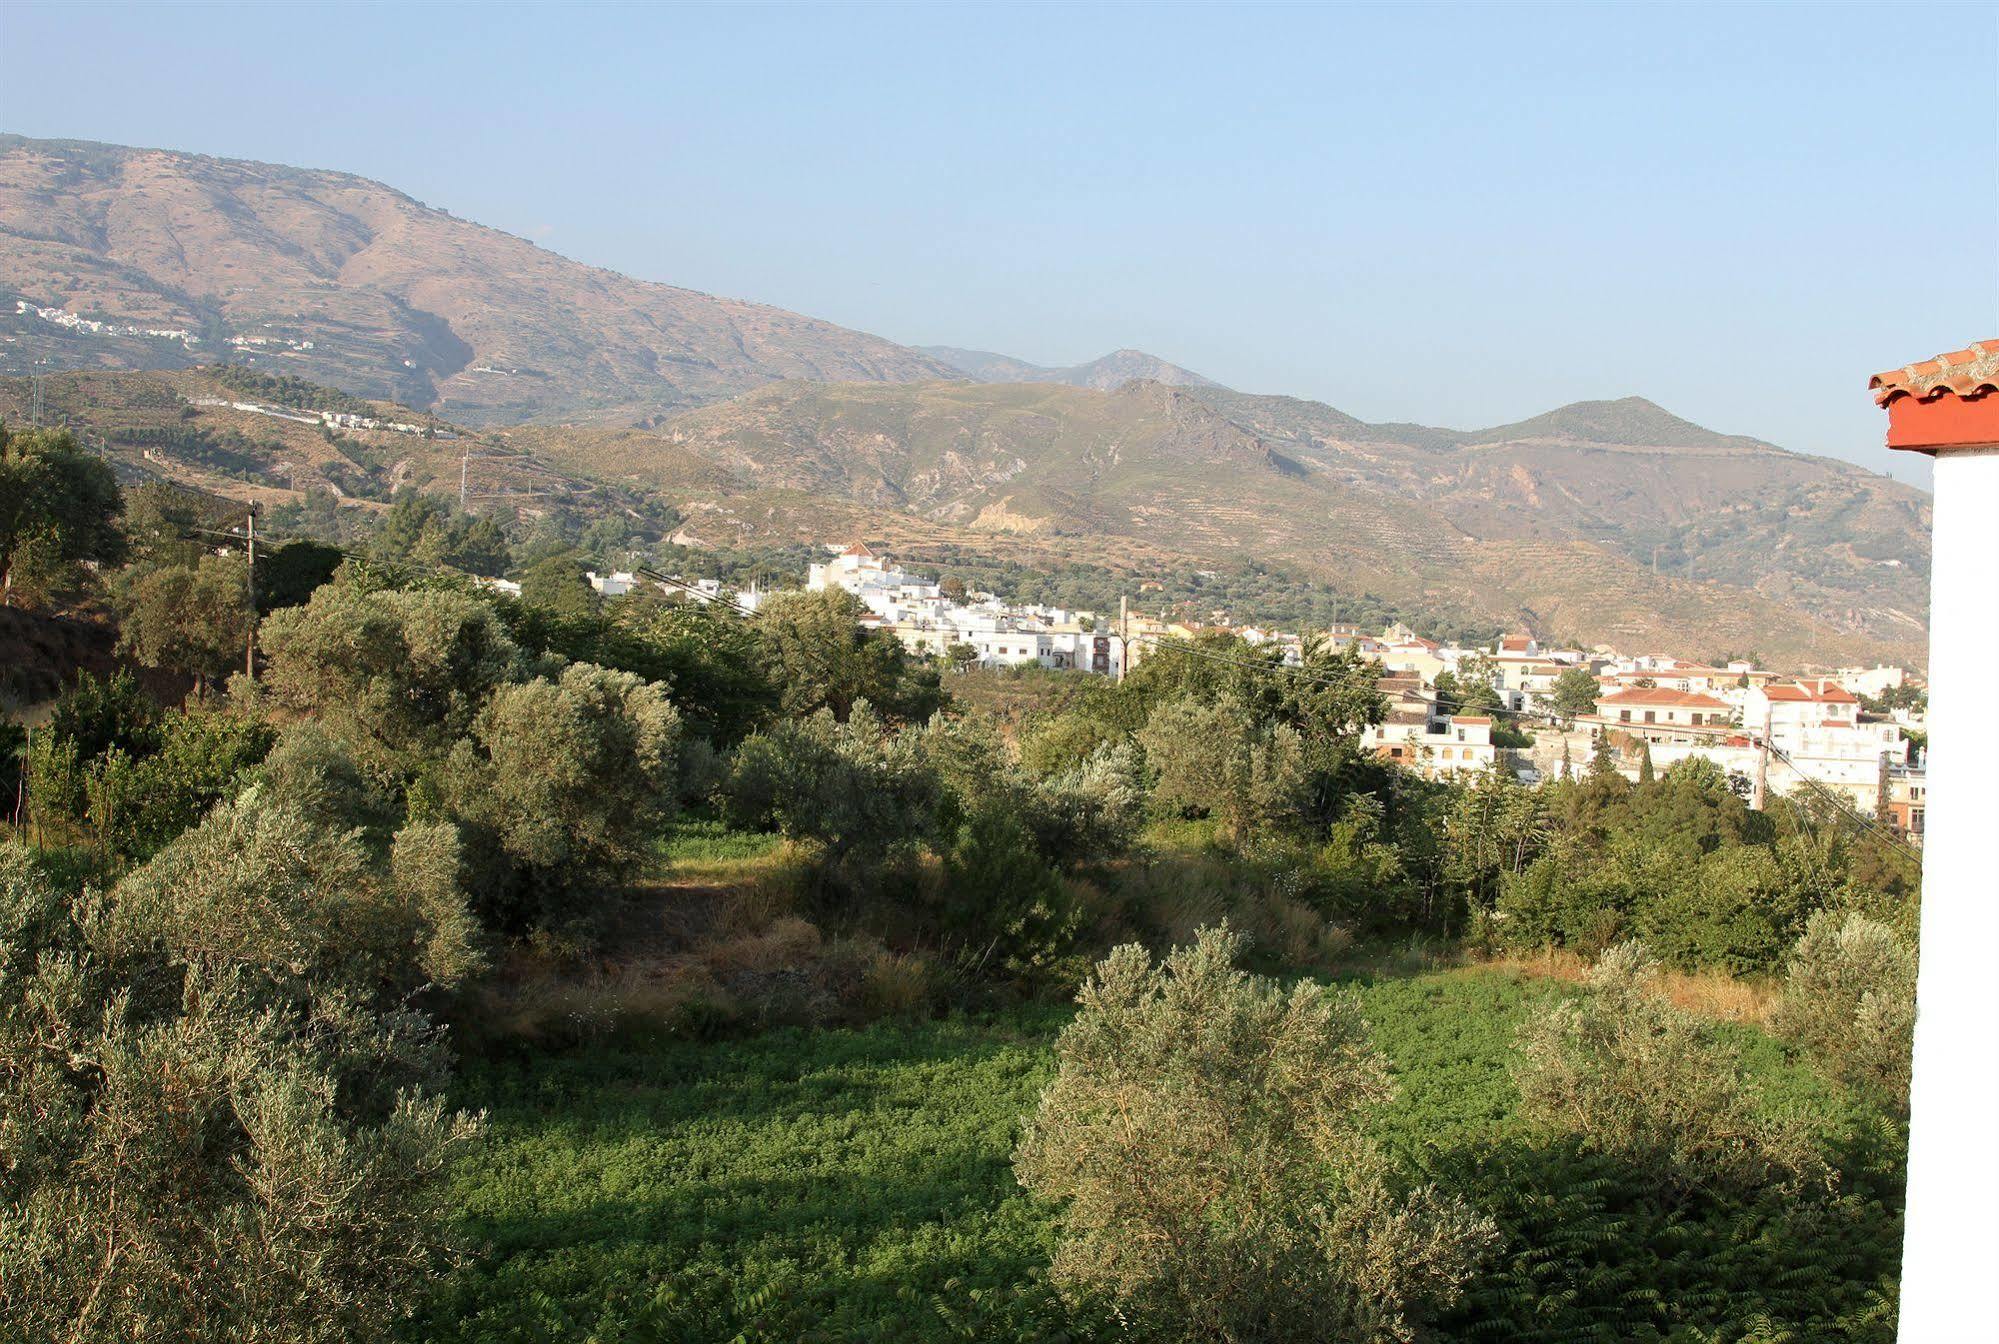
x=172 y=260
x=1821 y=535
x=1754 y=547
x=1112 y=370
x=1801 y=559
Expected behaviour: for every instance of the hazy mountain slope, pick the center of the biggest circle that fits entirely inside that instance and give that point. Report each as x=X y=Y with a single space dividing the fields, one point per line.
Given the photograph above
x=1094 y=474
x=1141 y=480
x=1112 y=370
x=396 y=299
x=1821 y=534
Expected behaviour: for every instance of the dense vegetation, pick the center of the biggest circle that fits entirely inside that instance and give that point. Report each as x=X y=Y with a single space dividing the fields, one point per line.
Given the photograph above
x=752 y=935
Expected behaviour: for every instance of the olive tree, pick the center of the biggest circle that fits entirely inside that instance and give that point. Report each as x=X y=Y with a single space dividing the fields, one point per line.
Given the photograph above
x=191 y=619
x=563 y=782
x=1219 y=760
x=1627 y=1074
x=58 y=506
x=1850 y=999
x=398 y=674
x=1206 y=1136
x=219 y=1107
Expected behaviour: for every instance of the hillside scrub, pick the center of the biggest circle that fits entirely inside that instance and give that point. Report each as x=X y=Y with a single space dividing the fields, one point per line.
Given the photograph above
x=219 y=1108
x=1850 y=999
x=1205 y=1136
x=1636 y=1079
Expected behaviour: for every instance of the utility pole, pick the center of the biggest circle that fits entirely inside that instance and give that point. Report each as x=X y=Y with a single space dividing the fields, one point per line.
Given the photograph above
x=1757 y=795
x=1123 y=636
x=250 y=645
x=464 y=465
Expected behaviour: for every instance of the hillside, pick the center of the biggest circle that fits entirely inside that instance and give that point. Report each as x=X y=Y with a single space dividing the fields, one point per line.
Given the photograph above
x=1796 y=557
x=1825 y=536
x=1552 y=535
x=178 y=259
x=1110 y=371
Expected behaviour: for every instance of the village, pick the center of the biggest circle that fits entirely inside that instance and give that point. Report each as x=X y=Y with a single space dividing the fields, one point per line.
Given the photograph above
x=1453 y=709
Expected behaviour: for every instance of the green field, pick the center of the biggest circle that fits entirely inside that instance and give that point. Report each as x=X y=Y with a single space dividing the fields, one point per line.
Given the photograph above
x=855 y=1185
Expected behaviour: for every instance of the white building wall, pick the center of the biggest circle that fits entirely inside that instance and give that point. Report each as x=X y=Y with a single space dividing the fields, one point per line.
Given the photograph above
x=1952 y=1238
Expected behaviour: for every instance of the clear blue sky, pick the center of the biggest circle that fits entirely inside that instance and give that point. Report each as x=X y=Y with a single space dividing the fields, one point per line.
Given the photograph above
x=1456 y=216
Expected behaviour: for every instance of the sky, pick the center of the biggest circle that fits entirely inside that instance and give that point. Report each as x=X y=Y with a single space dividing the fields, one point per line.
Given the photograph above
x=1455 y=216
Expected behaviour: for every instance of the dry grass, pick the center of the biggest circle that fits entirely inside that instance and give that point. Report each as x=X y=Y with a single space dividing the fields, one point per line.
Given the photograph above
x=1709 y=994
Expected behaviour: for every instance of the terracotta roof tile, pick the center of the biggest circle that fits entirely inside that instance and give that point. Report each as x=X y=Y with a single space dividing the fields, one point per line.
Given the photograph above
x=1819 y=690
x=1970 y=372
x=1658 y=695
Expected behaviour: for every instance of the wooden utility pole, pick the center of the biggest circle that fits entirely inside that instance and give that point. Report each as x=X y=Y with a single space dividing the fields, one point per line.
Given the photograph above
x=1123 y=636
x=1758 y=794
x=250 y=644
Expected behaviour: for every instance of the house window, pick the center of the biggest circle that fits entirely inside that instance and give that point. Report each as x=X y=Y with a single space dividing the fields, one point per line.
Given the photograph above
x=1695 y=719
x=1650 y=717
x=1624 y=716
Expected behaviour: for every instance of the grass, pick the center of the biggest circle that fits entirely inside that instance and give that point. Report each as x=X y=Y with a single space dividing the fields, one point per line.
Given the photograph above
x=854 y=1184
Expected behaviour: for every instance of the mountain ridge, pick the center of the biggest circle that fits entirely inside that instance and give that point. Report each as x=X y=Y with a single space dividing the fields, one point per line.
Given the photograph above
x=1103 y=373
x=350 y=282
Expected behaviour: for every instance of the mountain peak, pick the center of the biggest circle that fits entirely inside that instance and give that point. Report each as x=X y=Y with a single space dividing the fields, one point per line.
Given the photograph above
x=1103 y=373
x=1626 y=421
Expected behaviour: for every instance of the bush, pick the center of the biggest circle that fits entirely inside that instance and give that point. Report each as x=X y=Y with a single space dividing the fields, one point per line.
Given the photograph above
x=564 y=784
x=1850 y=999
x=218 y=1108
x=1217 y=760
x=1635 y=1078
x=1003 y=904
x=858 y=787
x=1206 y=1133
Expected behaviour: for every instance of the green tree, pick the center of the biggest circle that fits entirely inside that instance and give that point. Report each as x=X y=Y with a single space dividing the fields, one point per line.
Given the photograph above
x=397 y=675
x=194 y=621
x=557 y=585
x=1217 y=760
x=563 y=784
x=1850 y=999
x=1575 y=692
x=290 y=574
x=1206 y=1136
x=821 y=657
x=222 y=1117
x=858 y=787
x=1477 y=691
x=58 y=506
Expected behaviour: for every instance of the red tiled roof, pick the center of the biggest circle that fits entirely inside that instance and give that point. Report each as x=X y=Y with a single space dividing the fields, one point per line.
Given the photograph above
x=1470 y=718
x=1970 y=372
x=860 y=551
x=1658 y=695
x=1818 y=690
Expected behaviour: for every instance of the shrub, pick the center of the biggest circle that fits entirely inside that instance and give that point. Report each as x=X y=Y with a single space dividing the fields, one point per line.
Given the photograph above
x=564 y=784
x=1206 y=1133
x=856 y=786
x=218 y=1109
x=1635 y=1078
x=1003 y=904
x=1218 y=760
x=1850 y=999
